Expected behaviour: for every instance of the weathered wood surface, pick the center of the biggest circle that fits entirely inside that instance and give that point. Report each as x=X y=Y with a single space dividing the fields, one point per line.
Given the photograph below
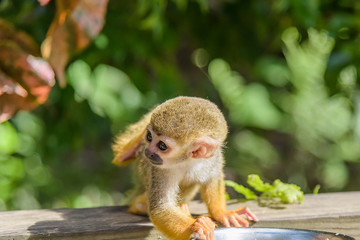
x=334 y=212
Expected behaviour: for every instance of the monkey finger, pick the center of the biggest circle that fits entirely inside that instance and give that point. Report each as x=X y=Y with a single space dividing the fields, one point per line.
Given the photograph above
x=199 y=230
x=210 y=224
x=234 y=221
x=242 y=221
x=210 y=235
x=197 y=227
x=247 y=212
x=225 y=221
x=199 y=235
x=251 y=216
x=206 y=222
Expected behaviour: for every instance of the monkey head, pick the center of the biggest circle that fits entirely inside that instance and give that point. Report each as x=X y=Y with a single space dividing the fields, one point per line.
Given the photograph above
x=183 y=129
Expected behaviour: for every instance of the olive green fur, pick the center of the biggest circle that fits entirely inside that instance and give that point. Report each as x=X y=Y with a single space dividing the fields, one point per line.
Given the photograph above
x=188 y=118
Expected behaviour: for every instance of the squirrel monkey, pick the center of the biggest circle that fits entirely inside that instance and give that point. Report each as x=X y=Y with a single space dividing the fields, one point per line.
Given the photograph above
x=178 y=149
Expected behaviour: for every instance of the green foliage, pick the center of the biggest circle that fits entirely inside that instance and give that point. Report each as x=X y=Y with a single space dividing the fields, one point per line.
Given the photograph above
x=286 y=193
x=285 y=74
x=9 y=138
x=108 y=90
x=248 y=105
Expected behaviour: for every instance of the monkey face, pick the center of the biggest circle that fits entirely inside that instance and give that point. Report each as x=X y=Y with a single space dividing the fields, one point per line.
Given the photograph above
x=160 y=149
x=165 y=152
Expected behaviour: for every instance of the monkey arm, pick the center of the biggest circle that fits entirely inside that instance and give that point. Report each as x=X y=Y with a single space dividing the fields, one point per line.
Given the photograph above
x=164 y=211
x=127 y=144
x=177 y=224
x=172 y=221
x=169 y=217
x=213 y=194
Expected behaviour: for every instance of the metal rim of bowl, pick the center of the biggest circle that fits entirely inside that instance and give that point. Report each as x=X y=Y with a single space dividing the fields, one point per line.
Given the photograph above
x=259 y=229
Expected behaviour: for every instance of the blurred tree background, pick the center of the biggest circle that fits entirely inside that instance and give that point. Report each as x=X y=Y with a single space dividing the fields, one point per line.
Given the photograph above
x=284 y=72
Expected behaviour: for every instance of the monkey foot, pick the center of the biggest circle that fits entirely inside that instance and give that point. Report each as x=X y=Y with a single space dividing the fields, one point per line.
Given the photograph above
x=139 y=205
x=203 y=228
x=235 y=217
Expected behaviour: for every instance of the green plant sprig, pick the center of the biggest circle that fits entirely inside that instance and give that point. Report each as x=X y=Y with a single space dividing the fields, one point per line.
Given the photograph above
x=285 y=192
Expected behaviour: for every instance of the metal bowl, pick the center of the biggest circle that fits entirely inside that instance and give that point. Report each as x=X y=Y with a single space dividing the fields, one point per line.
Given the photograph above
x=275 y=234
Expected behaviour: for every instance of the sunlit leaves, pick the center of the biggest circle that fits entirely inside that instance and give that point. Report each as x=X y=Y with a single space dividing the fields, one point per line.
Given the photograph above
x=250 y=104
x=314 y=112
x=335 y=174
x=109 y=90
x=307 y=62
x=92 y=196
x=347 y=80
x=273 y=71
x=324 y=124
x=12 y=168
x=255 y=148
x=76 y=23
x=20 y=175
x=9 y=139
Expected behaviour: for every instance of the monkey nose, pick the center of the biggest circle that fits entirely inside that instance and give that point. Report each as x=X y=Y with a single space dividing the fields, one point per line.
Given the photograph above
x=149 y=154
x=154 y=158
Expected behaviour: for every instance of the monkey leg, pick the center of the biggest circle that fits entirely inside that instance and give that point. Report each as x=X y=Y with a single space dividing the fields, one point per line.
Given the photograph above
x=139 y=205
x=203 y=228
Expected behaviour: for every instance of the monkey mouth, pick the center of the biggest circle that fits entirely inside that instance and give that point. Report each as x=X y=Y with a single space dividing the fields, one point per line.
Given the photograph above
x=156 y=161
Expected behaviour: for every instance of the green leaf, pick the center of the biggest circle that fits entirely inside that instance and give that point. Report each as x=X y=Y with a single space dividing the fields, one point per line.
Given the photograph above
x=287 y=193
x=250 y=195
x=256 y=182
x=316 y=189
x=249 y=105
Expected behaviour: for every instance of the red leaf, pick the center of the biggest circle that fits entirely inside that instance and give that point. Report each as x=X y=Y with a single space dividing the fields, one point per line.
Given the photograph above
x=43 y=2
x=76 y=23
x=25 y=80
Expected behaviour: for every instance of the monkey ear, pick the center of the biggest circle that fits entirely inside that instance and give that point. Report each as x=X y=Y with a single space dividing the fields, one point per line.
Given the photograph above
x=125 y=153
x=127 y=144
x=204 y=147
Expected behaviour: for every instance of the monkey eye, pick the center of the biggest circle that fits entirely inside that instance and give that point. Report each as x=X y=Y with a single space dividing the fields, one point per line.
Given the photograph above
x=149 y=136
x=162 y=146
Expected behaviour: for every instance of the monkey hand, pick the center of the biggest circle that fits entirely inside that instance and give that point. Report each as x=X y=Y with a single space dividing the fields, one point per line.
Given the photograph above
x=235 y=217
x=203 y=228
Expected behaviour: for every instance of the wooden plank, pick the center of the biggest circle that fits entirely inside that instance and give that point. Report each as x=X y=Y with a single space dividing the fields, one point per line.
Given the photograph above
x=86 y=223
x=313 y=206
x=335 y=212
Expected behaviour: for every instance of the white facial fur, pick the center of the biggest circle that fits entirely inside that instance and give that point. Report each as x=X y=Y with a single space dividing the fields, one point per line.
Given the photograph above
x=172 y=148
